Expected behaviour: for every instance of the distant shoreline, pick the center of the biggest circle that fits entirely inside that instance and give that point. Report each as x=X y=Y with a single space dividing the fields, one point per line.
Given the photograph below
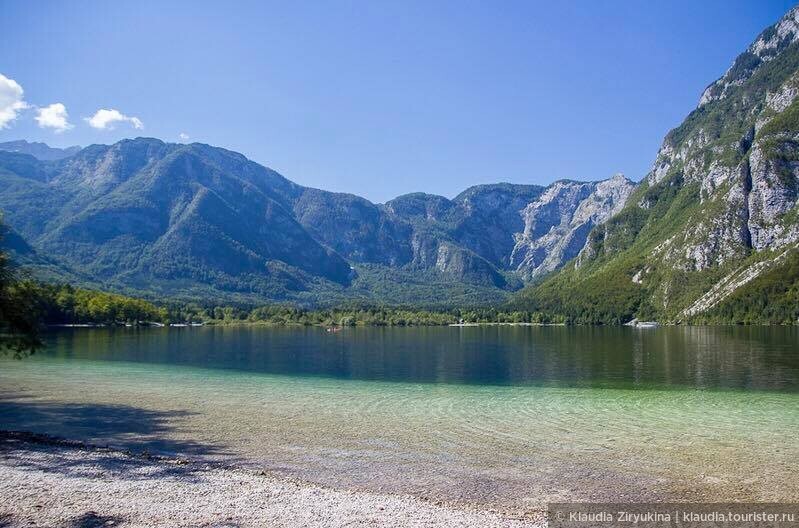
x=294 y=325
x=507 y=324
x=271 y=324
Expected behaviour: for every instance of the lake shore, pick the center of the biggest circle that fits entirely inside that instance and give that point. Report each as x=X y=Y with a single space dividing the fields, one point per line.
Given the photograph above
x=54 y=482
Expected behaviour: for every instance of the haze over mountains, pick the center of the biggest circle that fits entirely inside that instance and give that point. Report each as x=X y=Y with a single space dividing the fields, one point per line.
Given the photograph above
x=716 y=214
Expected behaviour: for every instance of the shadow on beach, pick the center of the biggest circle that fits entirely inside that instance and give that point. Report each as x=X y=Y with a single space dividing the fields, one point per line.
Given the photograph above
x=33 y=426
x=95 y=520
x=89 y=519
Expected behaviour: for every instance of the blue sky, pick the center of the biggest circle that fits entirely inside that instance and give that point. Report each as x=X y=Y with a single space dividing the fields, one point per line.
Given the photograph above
x=380 y=98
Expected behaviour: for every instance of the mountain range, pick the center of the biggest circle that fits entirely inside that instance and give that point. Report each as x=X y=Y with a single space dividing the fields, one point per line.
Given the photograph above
x=194 y=220
x=705 y=231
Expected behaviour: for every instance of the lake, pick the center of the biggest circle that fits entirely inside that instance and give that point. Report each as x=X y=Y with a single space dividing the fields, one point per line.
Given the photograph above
x=499 y=416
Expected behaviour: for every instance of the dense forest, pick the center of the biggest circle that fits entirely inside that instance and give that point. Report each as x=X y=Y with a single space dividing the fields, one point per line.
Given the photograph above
x=65 y=305
x=351 y=316
x=53 y=304
x=19 y=323
x=771 y=298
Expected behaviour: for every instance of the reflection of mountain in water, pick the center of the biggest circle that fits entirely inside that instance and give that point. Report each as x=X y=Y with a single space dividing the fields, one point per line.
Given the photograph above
x=758 y=358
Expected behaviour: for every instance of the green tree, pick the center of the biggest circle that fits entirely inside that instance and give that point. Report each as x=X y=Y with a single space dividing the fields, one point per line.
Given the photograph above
x=18 y=314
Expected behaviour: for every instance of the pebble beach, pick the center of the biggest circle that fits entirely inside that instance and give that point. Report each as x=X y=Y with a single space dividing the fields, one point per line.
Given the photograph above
x=51 y=482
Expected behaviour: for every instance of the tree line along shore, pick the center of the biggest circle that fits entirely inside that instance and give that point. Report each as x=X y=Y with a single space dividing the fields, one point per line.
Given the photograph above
x=63 y=304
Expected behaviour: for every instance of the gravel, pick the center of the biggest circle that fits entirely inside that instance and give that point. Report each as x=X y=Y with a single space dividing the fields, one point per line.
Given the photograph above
x=50 y=482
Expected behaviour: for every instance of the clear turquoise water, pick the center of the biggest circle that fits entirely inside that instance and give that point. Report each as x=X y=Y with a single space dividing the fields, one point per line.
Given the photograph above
x=510 y=417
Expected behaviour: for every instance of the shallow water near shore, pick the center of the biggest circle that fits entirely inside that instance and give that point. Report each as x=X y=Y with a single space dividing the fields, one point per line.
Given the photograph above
x=502 y=417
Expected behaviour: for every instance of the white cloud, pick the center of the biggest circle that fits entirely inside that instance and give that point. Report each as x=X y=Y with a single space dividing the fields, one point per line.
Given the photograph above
x=53 y=116
x=106 y=119
x=183 y=136
x=11 y=101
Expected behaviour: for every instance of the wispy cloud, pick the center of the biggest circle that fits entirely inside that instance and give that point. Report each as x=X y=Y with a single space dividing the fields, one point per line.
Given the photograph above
x=105 y=119
x=11 y=100
x=53 y=116
x=183 y=136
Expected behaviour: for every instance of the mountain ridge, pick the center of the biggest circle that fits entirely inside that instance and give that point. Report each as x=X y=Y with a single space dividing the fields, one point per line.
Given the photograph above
x=39 y=150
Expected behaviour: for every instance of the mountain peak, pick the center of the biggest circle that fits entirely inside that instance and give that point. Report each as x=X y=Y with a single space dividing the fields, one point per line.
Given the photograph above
x=773 y=41
x=40 y=151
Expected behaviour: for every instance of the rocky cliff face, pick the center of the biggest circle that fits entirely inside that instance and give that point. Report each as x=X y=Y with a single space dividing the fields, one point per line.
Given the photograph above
x=556 y=225
x=718 y=208
x=745 y=167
